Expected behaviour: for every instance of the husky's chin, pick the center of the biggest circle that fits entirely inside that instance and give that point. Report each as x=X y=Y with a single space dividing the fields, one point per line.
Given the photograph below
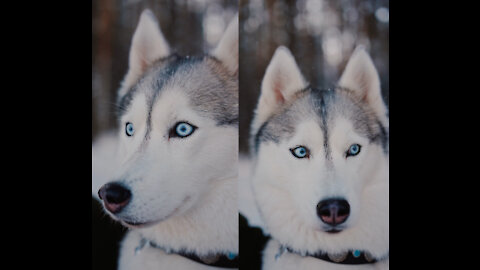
x=139 y=223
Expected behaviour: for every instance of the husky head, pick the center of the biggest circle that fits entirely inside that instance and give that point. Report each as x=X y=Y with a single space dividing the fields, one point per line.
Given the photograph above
x=178 y=123
x=321 y=158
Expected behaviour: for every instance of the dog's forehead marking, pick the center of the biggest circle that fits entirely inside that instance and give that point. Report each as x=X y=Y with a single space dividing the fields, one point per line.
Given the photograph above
x=137 y=111
x=362 y=116
x=307 y=106
x=212 y=91
x=149 y=82
x=170 y=107
x=323 y=97
x=325 y=106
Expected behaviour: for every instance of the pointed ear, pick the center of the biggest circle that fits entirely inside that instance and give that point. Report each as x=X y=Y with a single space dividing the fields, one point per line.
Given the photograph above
x=361 y=76
x=148 y=45
x=227 y=49
x=282 y=80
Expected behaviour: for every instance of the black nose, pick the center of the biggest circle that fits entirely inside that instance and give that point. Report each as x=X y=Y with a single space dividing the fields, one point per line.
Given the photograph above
x=333 y=211
x=115 y=196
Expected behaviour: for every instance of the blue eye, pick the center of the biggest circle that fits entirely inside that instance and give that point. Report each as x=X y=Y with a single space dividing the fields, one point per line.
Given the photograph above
x=354 y=150
x=300 y=152
x=182 y=130
x=129 y=129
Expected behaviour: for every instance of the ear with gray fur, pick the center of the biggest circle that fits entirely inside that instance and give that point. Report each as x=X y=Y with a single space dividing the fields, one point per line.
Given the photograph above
x=361 y=76
x=282 y=80
x=227 y=49
x=148 y=45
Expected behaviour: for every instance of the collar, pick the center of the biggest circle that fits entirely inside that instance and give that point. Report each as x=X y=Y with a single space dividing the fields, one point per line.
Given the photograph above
x=348 y=257
x=229 y=260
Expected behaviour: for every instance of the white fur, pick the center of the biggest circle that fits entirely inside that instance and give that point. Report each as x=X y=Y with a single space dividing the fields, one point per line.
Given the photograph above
x=185 y=190
x=287 y=189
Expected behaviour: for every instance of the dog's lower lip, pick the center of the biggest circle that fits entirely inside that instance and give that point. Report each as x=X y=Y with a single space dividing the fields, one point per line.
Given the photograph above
x=138 y=224
x=332 y=230
x=142 y=224
x=135 y=223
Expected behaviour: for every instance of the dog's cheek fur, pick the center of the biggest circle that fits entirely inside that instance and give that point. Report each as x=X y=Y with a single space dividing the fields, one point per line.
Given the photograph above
x=172 y=179
x=308 y=180
x=297 y=181
x=278 y=184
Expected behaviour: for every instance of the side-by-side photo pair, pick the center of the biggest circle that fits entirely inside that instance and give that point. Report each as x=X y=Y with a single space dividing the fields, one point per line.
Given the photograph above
x=234 y=134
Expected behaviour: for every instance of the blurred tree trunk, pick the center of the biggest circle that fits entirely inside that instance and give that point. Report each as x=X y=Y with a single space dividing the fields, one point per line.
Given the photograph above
x=102 y=57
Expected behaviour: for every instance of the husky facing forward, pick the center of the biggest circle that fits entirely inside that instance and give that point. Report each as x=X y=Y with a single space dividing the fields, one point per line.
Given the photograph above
x=176 y=186
x=321 y=168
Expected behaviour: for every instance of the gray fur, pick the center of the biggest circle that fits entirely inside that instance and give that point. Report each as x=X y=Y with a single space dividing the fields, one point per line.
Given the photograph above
x=324 y=106
x=213 y=92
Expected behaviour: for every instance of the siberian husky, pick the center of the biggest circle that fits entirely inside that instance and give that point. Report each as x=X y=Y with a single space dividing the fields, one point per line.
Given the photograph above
x=320 y=177
x=175 y=184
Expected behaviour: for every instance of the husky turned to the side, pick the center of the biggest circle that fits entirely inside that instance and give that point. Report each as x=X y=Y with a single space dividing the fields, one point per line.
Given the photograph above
x=176 y=182
x=321 y=168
